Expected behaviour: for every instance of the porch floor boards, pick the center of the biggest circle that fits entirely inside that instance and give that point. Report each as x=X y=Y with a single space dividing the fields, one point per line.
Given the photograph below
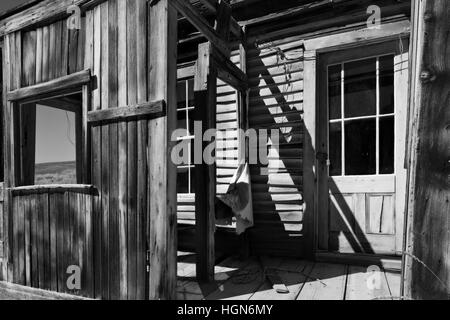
x=245 y=280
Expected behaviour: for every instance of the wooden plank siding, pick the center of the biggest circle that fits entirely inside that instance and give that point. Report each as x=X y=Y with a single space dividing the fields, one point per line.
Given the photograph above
x=51 y=233
x=117 y=57
x=57 y=51
x=113 y=45
x=275 y=71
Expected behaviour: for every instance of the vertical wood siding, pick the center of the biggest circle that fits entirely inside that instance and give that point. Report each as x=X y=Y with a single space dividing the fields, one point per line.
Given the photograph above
x=116 y=51
x=112 y=43
x=51 y=232
x=52 y=51
x=276 y=102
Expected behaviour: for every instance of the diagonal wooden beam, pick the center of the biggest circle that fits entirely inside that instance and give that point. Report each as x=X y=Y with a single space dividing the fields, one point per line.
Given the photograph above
x=199 y=22
x=212 y=6
x=228 y=72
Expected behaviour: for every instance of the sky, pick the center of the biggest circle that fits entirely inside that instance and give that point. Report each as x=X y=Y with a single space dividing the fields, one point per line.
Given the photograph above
x=55 y=135
x=9 y=4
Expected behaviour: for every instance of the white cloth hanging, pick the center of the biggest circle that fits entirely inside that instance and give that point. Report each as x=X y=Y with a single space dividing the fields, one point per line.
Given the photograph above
x=239 y=198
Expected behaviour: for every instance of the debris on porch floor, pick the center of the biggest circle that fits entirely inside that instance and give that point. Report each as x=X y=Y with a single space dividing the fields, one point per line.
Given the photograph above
x=259 y=279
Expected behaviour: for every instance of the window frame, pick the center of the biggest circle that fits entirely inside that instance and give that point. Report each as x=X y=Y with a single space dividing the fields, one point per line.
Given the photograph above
x=189 y=137
x=186 y=73
x=65 y=86
x=358 y=54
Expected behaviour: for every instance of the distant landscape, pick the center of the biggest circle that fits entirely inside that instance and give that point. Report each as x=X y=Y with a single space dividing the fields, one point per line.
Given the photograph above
x=55 y=173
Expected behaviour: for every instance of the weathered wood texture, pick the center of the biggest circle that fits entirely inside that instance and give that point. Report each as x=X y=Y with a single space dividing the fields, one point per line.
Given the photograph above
x=205 y=87
x=2 y=233
x=52 y=231
x=428 y=205
x=58 y=50
x=162 y=171
x=275 y=72
x=12 y=80
x=201 y=23
x=116 y=51
x=144 y=111
x=62 y=84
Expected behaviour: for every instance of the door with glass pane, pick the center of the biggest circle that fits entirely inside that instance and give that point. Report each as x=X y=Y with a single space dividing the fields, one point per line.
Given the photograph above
x=361 y=147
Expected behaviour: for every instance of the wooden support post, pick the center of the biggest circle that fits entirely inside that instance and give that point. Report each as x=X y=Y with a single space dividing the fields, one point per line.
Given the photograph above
x=428 y=228
x=162 y=170
x=12 y=71
x=205 y=87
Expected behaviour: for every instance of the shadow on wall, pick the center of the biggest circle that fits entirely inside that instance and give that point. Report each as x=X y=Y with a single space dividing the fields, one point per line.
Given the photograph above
x=276 y=102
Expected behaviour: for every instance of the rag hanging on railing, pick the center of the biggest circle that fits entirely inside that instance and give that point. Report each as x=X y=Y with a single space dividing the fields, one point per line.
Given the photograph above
x=239 y=199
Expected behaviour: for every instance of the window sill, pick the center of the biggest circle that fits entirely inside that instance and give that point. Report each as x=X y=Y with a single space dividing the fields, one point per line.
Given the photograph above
x=63 y=188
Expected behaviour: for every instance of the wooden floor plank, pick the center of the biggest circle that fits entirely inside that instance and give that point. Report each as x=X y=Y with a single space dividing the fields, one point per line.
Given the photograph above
x=241 y=285
x=293 y=274
x=189 y=289
x=244 y=280
x=358 y=287
x=325 y=282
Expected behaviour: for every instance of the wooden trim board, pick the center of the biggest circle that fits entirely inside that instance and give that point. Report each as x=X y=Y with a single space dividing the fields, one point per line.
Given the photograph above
x=61 y=84
x=145 y=110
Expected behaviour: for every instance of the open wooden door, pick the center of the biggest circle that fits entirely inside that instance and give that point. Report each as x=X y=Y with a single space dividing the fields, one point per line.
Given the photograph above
x=361 y=123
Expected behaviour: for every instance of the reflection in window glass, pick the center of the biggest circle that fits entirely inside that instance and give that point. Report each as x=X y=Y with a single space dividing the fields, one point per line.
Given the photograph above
x=360 y=147
x=183 y=180
x=181 y=94
x=367 y=145
x=386 y=85
x=335 y=149
x=360 y=88
x=190 y=84
x=387 y=138
x=334 y=91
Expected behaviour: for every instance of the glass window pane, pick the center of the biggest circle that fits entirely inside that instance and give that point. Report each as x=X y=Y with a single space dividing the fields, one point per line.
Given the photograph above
x=387 y=85
x=334 y=91
x=191 y=92
x=192 y=179
x=55 y=147
x=191 y=122
x=335 y=149
x=360 y=147
x=387 y=140
x=360 y=88
x=181 y=121
x=181 y=94
x=183 y=180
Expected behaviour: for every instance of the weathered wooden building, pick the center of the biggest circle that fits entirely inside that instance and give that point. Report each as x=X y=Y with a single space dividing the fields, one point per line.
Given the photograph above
x=331 y=76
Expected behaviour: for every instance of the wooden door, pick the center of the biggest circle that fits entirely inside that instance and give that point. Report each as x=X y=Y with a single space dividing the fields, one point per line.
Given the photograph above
x=362 y=132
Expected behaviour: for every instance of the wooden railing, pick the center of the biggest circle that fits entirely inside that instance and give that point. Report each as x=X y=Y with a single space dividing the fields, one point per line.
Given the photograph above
x=51 y=237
